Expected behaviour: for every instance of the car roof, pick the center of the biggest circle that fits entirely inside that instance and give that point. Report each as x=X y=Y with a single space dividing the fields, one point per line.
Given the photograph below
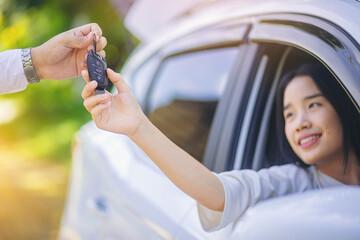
x=222 y=11
x=142 y=19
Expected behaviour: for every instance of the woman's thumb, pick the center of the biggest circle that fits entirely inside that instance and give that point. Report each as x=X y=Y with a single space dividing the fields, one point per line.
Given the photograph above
x=118 y=81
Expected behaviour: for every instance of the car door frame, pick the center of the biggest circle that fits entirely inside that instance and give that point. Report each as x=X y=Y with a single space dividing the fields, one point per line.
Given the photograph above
x=330 y=44
x=235 y=38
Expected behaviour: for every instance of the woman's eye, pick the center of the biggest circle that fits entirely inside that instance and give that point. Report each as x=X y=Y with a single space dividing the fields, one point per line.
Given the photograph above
x=288 y=115
x=314 y=105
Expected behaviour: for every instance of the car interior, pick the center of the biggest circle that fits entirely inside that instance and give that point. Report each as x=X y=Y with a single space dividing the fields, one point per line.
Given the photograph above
x=183 y=100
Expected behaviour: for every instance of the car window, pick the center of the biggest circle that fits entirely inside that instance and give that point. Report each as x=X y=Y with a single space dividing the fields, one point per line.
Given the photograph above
x=184 y=95
x=250 y=109
x=258 y=145
x=141 y=80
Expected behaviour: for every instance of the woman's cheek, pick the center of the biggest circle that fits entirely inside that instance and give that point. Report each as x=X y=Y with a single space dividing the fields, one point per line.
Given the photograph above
x=289 y=135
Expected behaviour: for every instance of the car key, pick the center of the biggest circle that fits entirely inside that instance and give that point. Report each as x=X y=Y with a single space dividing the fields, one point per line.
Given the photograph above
x=97 y=66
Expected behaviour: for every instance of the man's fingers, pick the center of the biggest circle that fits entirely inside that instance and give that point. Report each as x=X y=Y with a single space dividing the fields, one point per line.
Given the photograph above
x=101 y=43
x=118 y=81
x=94 y=27
x=83 y=65
x=87 y=28
x=79 y=40
x=88 y=39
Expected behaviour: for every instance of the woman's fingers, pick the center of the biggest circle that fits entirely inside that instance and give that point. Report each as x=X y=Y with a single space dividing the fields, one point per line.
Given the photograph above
x=91 y=102
x=99 y=108
x=118 y=81
x=89 y=87
x=88 y=90
x=85 y=75
x=102 y=53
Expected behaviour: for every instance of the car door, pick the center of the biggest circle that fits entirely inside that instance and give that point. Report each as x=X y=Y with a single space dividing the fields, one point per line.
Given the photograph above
x=180 y=93
x=298 y=39
x=278 y=43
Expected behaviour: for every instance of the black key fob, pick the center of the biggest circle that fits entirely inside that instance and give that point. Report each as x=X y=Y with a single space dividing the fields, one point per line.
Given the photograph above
x=97 y=66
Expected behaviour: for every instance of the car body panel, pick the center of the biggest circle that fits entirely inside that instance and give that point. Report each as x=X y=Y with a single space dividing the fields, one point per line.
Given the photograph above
x=105 y=176
x=326 y=214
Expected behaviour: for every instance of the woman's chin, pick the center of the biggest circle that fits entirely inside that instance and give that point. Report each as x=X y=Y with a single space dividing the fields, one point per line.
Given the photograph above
x=310 y=160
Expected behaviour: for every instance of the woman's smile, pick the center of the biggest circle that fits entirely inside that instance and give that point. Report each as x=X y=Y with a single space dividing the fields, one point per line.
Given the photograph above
x=309 y=140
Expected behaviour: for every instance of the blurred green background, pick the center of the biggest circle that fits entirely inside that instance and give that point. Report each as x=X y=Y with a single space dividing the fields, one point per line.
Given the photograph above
x=40 y=122
x=37 y=126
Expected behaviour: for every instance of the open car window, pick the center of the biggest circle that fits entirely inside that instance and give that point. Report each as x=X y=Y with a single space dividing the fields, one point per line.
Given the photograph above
x=184 y=95
x=262 y=148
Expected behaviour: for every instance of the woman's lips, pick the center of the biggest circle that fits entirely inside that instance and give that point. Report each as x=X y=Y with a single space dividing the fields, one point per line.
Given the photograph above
x=309 y=140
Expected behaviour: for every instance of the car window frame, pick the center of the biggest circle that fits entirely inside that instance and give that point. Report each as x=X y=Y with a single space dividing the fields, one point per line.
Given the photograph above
x=167 y=51
x=324 y=40
x=220 y=149
x=338 y=61
x=235 y=31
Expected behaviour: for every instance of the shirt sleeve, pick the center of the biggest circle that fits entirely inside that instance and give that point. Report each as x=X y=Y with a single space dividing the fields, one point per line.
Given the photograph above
x=12 y=77
x=244 y=188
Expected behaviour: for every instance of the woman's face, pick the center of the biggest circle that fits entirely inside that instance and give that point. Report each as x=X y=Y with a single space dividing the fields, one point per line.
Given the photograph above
x=312 y=125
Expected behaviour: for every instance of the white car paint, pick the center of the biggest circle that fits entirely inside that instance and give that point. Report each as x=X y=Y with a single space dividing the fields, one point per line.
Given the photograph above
x=327 y=214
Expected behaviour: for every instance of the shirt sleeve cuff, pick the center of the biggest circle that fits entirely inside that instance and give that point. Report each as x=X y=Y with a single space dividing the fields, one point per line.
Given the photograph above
x=12 y=78
x=213 y=220
x=237 y=200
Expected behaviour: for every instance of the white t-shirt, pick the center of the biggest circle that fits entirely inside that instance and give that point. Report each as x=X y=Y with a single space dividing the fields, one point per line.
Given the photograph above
x=246 y=187
x=12 y=77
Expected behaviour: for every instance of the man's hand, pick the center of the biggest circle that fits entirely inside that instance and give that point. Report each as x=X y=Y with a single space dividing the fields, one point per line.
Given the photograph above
x=64 y=56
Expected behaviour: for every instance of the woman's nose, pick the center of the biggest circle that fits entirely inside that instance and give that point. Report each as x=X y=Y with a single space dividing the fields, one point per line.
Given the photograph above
x=302 y=122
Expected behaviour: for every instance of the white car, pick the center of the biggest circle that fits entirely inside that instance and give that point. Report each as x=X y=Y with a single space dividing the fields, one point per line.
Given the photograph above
x=207 y=79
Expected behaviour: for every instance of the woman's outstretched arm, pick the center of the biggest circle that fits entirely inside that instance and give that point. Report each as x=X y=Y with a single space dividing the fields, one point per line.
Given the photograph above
x=122 y=114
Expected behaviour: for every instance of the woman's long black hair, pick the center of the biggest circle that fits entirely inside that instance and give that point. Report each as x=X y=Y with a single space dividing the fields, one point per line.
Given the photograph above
x=335 y=94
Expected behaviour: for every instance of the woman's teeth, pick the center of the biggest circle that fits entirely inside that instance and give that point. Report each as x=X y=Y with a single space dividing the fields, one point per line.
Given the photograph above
x=308 y=139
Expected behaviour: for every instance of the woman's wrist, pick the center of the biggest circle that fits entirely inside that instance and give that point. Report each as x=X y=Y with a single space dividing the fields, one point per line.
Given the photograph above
x=141 y=129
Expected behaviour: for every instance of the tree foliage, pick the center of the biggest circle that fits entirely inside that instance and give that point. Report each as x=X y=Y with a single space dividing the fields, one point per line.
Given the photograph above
x=49 y=113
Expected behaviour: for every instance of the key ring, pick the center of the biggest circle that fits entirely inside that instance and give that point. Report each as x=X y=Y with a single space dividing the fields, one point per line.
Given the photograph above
x=95 y=42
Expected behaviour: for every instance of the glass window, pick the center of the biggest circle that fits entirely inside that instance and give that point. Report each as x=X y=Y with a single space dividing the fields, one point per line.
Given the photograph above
x=142 y=78
x=184 y=96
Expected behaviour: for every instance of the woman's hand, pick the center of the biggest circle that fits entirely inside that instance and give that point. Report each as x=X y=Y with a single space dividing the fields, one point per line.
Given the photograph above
x=118 y=113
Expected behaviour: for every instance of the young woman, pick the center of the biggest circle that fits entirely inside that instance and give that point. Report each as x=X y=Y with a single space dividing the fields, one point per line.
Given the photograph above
x=318 y=126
